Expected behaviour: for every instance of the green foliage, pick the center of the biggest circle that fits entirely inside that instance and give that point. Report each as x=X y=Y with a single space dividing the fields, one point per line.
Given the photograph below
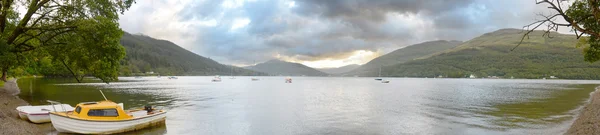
x=81 y=36
x=581 y=13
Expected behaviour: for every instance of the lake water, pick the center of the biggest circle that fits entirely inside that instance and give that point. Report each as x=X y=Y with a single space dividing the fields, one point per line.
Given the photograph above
x=328 y=105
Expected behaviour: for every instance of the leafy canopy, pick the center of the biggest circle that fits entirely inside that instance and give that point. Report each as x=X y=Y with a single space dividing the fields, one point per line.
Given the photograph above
x=82 y=35
x=582 y=16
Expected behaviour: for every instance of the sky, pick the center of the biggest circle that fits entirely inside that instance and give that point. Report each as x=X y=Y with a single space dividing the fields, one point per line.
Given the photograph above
x=319 y=33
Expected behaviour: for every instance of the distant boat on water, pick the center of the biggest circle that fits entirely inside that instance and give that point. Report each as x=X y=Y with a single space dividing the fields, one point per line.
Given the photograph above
x=254 y=79
x=173 y=77
x=288 y=80
x=379 y=76
x=385 y=81
x=217 y=78
x=231 y=74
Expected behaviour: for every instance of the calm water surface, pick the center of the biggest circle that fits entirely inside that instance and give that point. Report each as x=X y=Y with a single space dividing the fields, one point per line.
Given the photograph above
x=326 y=105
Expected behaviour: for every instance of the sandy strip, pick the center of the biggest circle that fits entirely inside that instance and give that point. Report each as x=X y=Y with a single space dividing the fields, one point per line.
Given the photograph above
x=10 y=124
x=588 y=120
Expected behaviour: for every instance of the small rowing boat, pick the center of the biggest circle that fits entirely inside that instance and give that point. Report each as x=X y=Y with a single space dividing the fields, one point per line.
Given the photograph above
x=41 y=113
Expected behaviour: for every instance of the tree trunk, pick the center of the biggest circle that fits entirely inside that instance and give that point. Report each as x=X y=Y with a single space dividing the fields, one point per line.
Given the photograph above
x=4 y=74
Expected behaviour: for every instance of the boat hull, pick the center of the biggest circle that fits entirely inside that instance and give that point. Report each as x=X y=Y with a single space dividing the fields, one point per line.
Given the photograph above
x=23 y=115
x=40 y=114
x=39 y=118
x=72 y=125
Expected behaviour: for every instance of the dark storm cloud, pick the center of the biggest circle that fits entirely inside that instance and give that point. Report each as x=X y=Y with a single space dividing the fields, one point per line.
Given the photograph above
x=319 y=29
x=375 y=10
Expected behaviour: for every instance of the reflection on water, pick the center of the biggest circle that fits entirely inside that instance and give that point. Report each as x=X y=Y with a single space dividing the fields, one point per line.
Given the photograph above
x=321 y=105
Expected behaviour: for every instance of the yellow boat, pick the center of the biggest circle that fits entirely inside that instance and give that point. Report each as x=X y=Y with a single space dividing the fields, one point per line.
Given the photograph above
x=105 y=117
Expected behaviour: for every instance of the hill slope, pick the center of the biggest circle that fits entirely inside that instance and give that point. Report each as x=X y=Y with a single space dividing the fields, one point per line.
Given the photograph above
x=278 y=67
x=146 y=54
x=339 y=70
x=490 y=55
x=403 y=55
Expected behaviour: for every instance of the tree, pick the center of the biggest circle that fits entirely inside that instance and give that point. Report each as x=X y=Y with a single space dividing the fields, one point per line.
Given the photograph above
x=582 y=16
x=83 y=35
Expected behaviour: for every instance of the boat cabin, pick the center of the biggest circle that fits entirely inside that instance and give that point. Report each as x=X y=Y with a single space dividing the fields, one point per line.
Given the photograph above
x=103 y=110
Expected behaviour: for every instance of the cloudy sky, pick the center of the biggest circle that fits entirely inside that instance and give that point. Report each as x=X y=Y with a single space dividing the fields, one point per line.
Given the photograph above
x=318 y=33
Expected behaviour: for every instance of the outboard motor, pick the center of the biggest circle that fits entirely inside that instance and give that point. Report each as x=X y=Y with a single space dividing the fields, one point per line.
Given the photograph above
x=148 y=108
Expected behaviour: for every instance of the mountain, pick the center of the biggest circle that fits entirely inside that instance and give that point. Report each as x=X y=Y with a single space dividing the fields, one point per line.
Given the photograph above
x=278 y=67
x=403 y=55
x=146 y=54
x=490 y=55
x=339 y=70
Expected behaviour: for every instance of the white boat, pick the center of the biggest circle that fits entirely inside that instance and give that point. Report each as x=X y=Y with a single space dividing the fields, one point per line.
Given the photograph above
x=172 y=77
x=288 y=80
x=385 y=81
x=216 y=79
x=231 y=74
x=379 y=76
x=254 y=79
x=41 y=114
x=105 y=117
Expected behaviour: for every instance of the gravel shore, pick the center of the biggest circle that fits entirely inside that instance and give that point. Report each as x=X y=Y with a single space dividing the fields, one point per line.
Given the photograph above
x=10 y=124
x=588 y=121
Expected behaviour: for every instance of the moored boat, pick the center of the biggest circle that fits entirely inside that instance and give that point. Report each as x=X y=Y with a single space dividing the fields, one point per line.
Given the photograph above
x=105 y=117
x=385 y=81
x=288 y=80
x=216 y=79
x=40 y=114
x=254 y=79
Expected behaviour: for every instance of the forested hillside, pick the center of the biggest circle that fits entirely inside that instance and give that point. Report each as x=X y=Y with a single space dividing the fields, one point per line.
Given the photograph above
x=146 y=54
x=339 y=70
x=491 y=55
x=403 y=55
x=278 y=67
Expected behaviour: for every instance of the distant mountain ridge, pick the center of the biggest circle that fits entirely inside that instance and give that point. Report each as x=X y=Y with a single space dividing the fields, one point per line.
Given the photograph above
x=402 y=55
x=147 y=54
x=278 y=67
x=490 y=55
x=339 y=70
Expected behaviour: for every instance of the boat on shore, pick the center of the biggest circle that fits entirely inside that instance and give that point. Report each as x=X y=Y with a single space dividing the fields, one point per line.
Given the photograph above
x=41 y=113
x=105 y=117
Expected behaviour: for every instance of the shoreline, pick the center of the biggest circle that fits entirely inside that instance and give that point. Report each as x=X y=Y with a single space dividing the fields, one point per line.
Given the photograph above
x=587 y=122
x=10 y=123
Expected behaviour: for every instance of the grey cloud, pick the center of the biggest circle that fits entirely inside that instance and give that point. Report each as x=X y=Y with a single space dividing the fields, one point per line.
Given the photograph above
x=375 y=9
x=319 y=29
